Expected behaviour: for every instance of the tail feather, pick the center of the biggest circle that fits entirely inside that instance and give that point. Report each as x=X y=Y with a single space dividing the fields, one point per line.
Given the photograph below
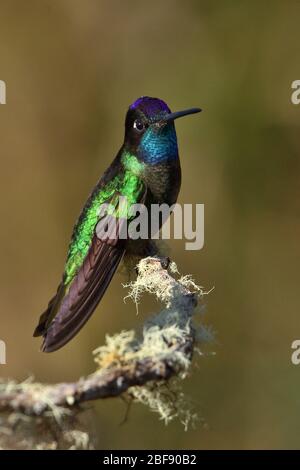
x=41 y=328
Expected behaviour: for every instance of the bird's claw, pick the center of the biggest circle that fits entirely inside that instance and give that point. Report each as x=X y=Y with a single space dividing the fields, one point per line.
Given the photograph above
x=165 y=262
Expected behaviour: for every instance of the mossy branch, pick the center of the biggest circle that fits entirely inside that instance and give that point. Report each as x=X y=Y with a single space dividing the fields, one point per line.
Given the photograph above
x=129 y=365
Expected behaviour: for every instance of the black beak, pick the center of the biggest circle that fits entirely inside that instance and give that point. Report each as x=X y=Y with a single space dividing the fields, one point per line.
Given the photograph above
x=178 y=114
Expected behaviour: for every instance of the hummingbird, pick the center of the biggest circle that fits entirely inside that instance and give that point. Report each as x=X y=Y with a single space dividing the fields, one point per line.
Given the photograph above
x=146 y=170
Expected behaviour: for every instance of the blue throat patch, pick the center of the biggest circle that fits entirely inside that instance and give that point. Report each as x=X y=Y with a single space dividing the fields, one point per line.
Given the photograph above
x=159 y=146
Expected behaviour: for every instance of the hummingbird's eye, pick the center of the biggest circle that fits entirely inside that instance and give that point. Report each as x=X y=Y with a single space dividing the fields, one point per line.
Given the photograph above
x=138 y=125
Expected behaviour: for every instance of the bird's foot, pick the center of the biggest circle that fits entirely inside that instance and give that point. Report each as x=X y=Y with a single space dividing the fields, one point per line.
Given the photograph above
x=165 y=262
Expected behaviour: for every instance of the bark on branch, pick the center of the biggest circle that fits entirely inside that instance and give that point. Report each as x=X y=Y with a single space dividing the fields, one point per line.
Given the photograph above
x=125 y=362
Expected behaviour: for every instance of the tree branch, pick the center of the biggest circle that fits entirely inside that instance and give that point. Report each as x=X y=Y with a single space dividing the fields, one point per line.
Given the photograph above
x=166 y=349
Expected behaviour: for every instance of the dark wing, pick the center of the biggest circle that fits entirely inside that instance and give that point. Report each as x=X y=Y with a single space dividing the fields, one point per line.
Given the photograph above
x=75 y=302
x=75 y=306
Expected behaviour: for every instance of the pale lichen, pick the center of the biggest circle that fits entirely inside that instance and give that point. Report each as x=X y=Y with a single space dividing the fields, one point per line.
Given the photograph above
x=146 y=368
x=162 y=337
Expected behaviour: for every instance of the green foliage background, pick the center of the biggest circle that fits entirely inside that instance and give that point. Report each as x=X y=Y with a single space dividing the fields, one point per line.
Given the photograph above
x=71 y=69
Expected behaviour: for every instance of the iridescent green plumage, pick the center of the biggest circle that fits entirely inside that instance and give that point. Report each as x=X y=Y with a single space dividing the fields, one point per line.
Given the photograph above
x=128 y=185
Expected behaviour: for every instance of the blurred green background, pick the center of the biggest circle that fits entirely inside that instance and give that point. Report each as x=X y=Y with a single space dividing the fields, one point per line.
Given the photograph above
x=71 y=69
